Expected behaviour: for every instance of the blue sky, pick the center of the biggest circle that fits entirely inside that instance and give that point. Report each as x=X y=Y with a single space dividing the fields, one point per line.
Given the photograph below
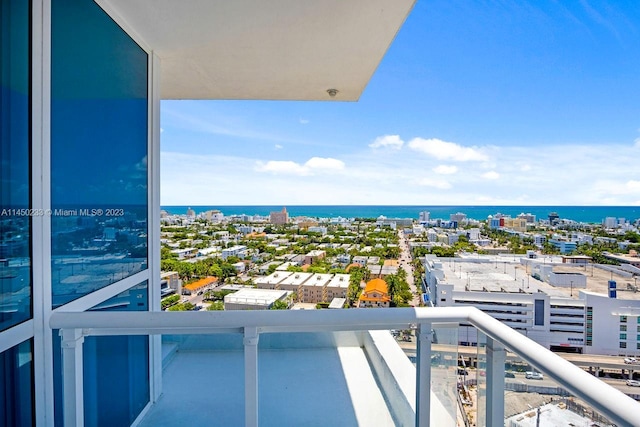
x=475 y=103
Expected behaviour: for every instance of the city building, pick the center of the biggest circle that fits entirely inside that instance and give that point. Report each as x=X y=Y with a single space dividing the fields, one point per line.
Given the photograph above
x=459 y=217
x=239 y=251
x=563 y=245
x=314 y=256
x=375 y=294
x=337 y=288
x=170 y=283
x=563 y=310
x=214 y=216
x=200 y=286
x=279 y=218
x=254 y=299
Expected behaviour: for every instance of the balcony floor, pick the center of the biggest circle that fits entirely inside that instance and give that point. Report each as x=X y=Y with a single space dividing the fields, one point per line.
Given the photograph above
x=311 y=387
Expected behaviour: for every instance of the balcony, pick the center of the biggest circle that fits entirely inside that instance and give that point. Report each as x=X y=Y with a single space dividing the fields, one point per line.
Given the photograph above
x=327 y=367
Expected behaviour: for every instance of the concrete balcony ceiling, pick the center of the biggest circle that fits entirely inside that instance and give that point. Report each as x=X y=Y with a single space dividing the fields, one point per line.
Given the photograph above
x=252 y=49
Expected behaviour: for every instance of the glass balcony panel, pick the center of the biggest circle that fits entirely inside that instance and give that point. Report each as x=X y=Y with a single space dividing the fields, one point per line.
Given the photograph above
x=116 y=368
x=445 y=374
x=481 y=379
x=532 y=398
x=15 y=141
x=16 y=393
x=99 y=123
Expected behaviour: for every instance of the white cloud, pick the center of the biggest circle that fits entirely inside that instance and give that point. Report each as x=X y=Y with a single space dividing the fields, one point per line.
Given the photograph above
x=435 y=183
x=391 y=141
x=303 y=121
x=636 y=143
x=324 y=163
x=558 y=174
x=445 y=170
x=633 y=186
x=443 y=150
x=491 y=175
x=287 y=167
x=278 y=147
x=281 y=167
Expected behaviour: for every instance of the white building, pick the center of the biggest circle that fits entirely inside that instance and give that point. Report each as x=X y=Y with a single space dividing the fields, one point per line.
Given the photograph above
x=254 y=299
x=273 y=280
x=239 y=251
x=587 y=322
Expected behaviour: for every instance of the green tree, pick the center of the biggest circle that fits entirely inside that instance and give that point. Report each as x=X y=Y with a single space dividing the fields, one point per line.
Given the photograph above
x=216 y=306
x=280 y=305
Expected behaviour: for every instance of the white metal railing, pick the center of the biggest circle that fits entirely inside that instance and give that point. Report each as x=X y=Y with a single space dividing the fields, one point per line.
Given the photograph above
x=613 y=404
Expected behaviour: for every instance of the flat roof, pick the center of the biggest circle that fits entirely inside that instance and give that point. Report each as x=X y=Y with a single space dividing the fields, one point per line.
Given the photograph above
x=319 y=279
x=507 y=274
x=296 y=279
x=339 y=281
x=274 y=278
x=337 y=303
x=255 y=296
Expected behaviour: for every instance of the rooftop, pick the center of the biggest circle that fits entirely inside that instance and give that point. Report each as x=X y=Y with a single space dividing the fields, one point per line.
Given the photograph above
x=507 y=274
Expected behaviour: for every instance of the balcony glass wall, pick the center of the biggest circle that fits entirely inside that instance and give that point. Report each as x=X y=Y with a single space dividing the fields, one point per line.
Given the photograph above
x=445 y=375
x=116 y=368
x=98 y=151
x=16 y=393
x=15 y=216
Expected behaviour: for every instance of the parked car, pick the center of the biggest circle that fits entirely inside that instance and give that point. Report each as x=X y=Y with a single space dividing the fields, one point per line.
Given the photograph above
x=630 y=360
x=633 y=383
x=533 y=375
x=509 y=375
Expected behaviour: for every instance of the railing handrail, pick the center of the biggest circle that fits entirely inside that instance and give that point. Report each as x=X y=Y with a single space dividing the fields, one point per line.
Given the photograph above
x=611 y=402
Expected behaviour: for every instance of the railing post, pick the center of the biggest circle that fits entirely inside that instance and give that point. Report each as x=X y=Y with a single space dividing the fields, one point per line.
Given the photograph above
x=251 y=376
x=496 y=356
x=423 y=377
x=72 y=383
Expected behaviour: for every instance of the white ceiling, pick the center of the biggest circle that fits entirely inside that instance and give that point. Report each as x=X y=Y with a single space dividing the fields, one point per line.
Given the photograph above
x=264 y=49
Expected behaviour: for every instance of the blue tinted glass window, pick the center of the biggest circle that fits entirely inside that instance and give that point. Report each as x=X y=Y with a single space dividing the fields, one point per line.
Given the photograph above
x=98 y=151
x=15 y=222
x=539 y=312
x=116 y=369
x=16 y=392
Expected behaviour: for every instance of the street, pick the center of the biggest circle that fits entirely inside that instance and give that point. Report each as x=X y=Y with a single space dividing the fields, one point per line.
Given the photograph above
x=405 y=262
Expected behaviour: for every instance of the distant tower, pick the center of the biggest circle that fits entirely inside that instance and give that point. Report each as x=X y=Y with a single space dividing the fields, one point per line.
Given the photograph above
x=279 y=218
x=553 y=216
x=191 y=213
x=424 y=216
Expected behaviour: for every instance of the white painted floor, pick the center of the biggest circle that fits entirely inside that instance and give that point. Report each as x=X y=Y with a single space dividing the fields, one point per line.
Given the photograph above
x=298 y=387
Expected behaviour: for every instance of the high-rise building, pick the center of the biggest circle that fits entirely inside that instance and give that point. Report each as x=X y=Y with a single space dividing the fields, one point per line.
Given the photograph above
x=279 y=218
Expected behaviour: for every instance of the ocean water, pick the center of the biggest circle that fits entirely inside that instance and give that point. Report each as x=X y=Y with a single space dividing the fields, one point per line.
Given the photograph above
x=592 y=214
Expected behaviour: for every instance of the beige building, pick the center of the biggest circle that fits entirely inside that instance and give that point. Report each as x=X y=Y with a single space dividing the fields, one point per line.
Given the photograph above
x=279 y=218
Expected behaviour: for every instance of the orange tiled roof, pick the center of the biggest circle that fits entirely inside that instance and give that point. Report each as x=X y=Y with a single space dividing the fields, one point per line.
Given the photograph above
x=376 y=285
x=201 y=283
